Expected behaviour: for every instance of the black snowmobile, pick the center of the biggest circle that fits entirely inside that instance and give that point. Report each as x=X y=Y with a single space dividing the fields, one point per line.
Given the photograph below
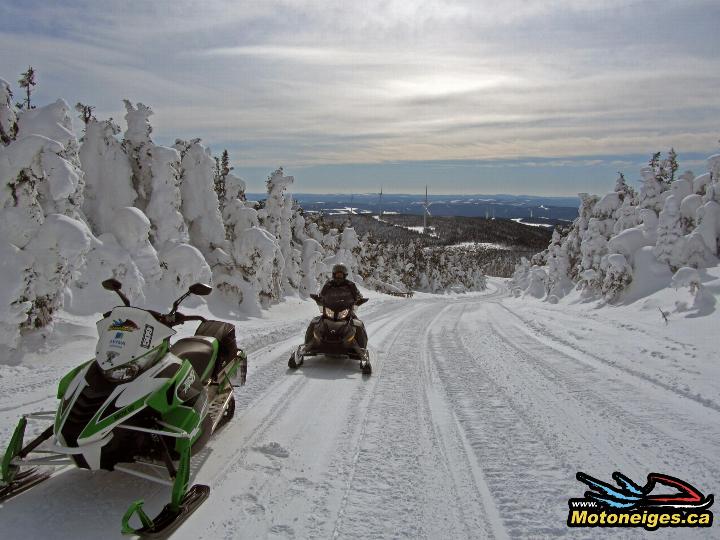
x=142 y=406
x=336 y=332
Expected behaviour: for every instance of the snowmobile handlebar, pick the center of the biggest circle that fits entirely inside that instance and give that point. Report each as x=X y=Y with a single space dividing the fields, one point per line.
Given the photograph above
x=185 y=318
x=169 y=319
x=176 y=318
x=319 y=301
x=173 y=318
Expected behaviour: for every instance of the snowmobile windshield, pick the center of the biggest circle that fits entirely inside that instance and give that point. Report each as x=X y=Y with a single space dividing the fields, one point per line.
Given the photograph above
x=338 y=298
x=130 y=340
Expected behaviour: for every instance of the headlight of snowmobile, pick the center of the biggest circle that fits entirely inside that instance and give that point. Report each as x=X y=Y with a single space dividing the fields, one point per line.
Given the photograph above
x=132 y=369
x=344 y=314
x=123 y=373
x=329 y=312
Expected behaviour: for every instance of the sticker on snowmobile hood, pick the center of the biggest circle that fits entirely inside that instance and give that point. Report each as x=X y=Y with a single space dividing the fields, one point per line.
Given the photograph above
x=125 y=325
x=118 y=342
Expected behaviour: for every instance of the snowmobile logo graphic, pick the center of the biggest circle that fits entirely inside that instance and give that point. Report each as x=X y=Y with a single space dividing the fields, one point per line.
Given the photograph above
x=126 y=326
x=147 y=336
x=663 y=501
x=187 y=383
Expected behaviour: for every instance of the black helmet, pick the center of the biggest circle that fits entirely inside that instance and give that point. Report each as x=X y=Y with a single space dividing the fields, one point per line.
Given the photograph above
x=339 y=269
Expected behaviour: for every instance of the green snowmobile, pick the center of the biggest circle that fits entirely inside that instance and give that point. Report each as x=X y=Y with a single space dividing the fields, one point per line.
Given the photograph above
x=142 y=406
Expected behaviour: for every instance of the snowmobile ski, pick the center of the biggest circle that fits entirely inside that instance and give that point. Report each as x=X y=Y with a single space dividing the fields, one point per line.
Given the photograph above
x=296 y=359
x=23 y=481
x=366 y=367
x=169 y=519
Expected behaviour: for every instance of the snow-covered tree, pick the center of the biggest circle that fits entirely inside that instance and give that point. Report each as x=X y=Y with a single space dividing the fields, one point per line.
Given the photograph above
x=8 y=115
x=537 y=282
x=48 y=131
x=313 y=267
x=558 y=263
x=276 y=217
x=156 y=179
x=618 y=275
x=41 y=188
x=200 y=206
x=108 y=174
x=651 y=190
x=673 y=222
x=693 y=252
x=669 y=234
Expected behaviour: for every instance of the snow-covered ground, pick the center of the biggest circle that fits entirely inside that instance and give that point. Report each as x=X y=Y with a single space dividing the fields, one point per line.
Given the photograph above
x=480 y=410
x=521 y=222
x=420 y=229
x=488 y=245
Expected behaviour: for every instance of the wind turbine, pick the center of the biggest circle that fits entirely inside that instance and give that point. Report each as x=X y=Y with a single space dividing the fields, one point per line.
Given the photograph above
x=426 y=211
x=348 y=215
x=380 y=214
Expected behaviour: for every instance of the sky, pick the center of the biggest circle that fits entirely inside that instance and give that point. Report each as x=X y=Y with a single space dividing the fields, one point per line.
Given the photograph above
x=476 y=96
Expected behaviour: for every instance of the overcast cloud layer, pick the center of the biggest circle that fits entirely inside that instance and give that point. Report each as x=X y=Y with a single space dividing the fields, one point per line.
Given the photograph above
x=310 y=84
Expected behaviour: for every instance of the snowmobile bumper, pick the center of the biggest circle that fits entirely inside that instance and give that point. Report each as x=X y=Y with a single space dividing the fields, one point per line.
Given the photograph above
x=336 y=349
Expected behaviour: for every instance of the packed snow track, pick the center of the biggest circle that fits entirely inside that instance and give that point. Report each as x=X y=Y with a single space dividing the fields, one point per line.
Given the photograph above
x=473 y=425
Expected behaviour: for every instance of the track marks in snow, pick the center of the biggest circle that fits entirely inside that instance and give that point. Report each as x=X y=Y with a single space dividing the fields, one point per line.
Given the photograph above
x=472 y=495
x=579 y=420
x=276 y=451
x=522 y=476
x=413 y=478
x=637 y=426
x=543 y=332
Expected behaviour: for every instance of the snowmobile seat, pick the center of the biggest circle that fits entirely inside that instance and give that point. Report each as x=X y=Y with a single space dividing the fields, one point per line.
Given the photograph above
x=197 y=351
x=225 y=334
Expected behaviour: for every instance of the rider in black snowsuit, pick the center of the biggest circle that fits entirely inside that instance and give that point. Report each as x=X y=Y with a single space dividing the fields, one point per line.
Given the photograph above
x=339 y=279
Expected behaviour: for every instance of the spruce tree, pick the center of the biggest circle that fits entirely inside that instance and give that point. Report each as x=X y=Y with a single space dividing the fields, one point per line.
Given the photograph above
x=86 y=112
x=222 y=170
x=27 y=81
x=672 y=163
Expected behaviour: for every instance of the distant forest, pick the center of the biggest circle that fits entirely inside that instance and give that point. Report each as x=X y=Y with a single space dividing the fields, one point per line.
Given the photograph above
x=517 y=240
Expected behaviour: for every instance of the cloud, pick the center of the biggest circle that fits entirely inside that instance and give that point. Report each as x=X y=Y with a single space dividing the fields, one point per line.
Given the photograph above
x=303 y=82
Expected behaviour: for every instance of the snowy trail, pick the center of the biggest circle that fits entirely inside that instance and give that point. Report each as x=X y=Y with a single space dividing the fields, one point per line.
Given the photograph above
x=475 y=420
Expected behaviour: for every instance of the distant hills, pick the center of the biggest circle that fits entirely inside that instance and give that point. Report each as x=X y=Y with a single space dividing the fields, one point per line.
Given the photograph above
x=523 y=208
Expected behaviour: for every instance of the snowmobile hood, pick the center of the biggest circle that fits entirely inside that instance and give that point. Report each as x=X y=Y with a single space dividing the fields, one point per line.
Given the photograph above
x=126 y=334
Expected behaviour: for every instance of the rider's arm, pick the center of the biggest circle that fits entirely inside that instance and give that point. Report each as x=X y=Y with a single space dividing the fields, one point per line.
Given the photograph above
x=355 y=291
